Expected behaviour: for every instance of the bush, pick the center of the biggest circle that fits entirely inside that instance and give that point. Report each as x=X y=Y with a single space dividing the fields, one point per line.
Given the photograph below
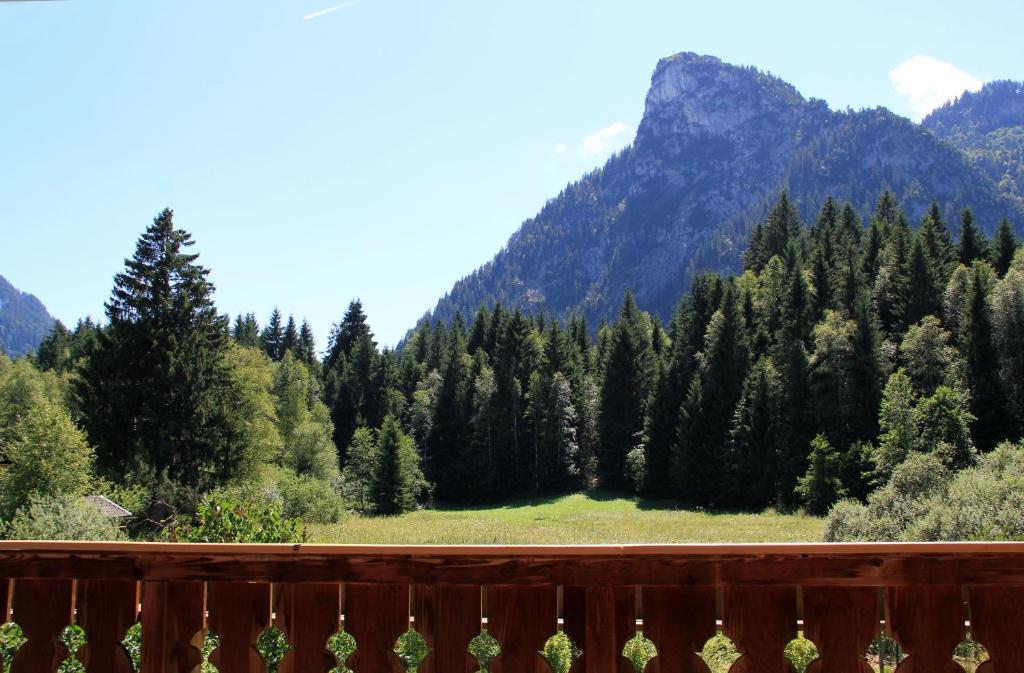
x=310 y=499
x=61 y=518
x=227 y=518
x=925 y=501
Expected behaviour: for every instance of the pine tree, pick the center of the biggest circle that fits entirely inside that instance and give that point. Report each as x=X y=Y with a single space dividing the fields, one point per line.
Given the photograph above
x=348 y=378
x=272 y=337
x=831 y=383
x=872 y=253
x=290 y=338
x=756 y=439
x=246 y=331
x=398 y=479
x=54 y=352
x=821 y=486
x=922 y=295
x=673 y=381
x=627 y=383
x=154 y=395
x=1008 y=325
x=698 y=460
x=938 y=245
x=514 y=361
x=972 y=240
x=771 y=237
x=306 y=351
x=1004 y=245
x=478 y=331
x=344 y=336
x=887 y=210
x=988 y=403
x=449 y=430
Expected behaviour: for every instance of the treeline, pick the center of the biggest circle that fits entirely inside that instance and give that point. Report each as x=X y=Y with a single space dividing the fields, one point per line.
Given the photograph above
x=840 y=349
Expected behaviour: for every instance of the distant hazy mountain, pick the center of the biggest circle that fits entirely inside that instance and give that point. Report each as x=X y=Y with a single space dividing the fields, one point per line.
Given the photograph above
x=716 y=145
x=24 y=321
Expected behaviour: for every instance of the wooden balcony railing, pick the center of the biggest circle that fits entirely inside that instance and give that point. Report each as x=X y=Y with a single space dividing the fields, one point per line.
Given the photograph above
x=926 y=595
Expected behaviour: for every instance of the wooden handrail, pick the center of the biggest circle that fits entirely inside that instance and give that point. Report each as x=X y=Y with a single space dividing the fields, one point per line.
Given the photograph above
x=854 y=564
x=841 y=595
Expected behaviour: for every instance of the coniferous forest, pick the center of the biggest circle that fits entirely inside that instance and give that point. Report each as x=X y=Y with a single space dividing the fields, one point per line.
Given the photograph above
x=847 y=345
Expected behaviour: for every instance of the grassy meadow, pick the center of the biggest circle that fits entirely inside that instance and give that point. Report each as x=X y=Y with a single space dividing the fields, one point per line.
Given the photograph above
x=580 y=518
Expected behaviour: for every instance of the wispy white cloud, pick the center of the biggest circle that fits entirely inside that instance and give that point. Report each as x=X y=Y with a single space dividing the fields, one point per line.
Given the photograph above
x=329 y=10
x=560 y=148
x=606 y=139
x=929 y=82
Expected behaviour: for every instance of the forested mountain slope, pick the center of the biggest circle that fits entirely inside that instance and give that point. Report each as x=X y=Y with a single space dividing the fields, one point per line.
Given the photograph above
x=716 y=145
x=24 y=321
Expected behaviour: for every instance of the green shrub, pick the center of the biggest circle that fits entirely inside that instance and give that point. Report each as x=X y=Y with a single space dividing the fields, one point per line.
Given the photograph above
x=223 y=518
x=310 y=499
x=11 y=638
x=61 y=518
x=925 y=501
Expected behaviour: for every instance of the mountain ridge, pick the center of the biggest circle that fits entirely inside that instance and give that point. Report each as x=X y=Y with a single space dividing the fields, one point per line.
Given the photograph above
x=716 y=145
x=24 y=320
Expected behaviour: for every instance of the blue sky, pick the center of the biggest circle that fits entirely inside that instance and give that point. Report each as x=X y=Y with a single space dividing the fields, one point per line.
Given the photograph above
x=382 y=149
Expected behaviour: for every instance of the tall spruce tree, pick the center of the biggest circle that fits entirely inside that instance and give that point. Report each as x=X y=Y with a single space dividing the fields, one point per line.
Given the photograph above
x=246 y=331
x=938 y=245
x=1004 y=245
x=272 y=337
x=627 y=384
x=290 y=337
x=972 y=241
x=398 y=478
x=699 y=461
x=988 y=403
x=306 y=349
x=757 y=439
x=155 y=393
x=687 y=338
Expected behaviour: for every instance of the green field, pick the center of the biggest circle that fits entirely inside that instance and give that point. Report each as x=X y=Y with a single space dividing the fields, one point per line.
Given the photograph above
x=581 y=518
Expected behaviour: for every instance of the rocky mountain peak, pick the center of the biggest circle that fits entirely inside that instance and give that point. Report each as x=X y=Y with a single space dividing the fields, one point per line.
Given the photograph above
x=700 y=95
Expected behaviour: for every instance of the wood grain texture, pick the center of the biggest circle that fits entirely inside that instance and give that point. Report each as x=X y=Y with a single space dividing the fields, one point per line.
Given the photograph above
x=238 y=612
x=997 y=622
x=5 y=600
x=308 y=614
x=5 y=609
x=891 y=564
x=679 y=620
x=609 y=621
x=574 y=617
x=761 y=621
x=522 y=619
x=928 y=623
x=173 y=614
x=42 y=608
x=448 y=617
x=106 y=610
x=375 y=615
x=842 y=622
